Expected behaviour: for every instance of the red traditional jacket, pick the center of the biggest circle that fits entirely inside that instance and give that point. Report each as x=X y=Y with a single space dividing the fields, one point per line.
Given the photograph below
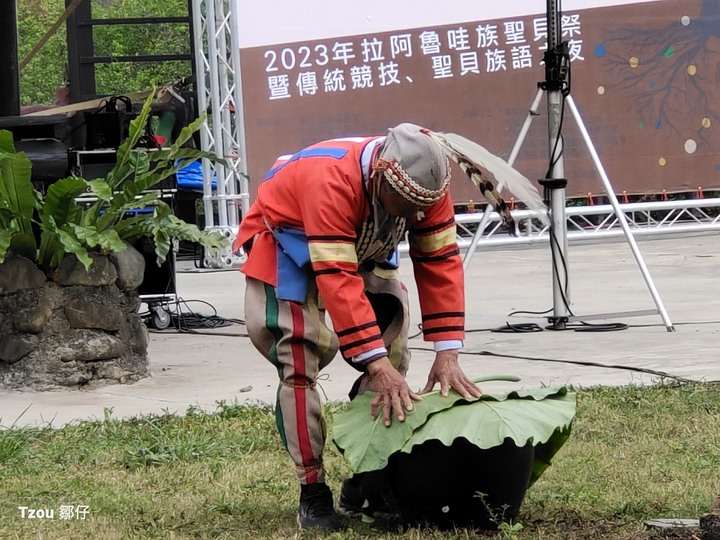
x=321 y=191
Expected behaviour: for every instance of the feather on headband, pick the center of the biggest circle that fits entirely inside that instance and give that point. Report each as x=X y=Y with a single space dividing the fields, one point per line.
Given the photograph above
x=472 y=158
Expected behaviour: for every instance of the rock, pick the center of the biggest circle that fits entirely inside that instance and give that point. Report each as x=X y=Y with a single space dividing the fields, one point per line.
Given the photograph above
x=74 y=378
x=71 y=271
x=110 y=370
x=130 y=265
x=14 y=347
x=138 y=336
x=129 y=379
x=18 y=273
x=33 y=318
x=78 y=332
x=89 y=346
x=83 y=314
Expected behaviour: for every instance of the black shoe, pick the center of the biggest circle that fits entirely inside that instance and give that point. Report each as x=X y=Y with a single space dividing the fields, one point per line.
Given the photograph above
x=367 y=496
x=316 y=509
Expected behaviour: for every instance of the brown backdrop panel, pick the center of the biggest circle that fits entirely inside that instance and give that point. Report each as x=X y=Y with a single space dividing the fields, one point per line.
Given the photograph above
x=647 y=89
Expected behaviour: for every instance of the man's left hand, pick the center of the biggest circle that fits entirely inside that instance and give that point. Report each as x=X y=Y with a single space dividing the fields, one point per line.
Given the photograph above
x=447 y=371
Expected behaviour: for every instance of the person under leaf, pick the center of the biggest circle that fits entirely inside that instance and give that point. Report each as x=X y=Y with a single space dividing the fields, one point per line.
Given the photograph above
x=321 y=238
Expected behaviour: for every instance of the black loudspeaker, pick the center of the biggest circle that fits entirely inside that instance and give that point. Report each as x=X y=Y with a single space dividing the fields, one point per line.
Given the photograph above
x=158 y=281
x=108 y=126
x=92 y=164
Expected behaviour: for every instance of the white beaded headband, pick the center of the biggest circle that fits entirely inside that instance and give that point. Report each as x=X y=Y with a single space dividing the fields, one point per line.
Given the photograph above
x=407 y=187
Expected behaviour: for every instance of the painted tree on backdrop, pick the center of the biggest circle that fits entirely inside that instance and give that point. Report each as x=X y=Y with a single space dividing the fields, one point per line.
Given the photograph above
x=671 y=72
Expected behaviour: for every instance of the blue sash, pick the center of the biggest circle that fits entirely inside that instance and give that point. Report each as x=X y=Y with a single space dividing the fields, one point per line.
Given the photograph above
x=293 y=259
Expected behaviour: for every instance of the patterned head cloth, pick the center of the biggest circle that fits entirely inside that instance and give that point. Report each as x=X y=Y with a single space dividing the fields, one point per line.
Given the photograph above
x=414 y=164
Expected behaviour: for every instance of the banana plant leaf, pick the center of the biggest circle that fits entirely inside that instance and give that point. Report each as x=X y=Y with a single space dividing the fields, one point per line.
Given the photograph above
x=541 y=416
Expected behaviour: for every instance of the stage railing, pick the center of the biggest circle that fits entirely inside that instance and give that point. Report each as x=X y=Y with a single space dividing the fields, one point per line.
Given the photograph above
x=597 y=222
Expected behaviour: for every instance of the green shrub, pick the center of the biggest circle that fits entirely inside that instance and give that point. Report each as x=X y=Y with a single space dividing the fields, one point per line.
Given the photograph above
x=66 y=225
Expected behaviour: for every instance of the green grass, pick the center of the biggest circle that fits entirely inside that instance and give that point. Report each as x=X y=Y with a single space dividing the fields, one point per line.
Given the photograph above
x=636 y=453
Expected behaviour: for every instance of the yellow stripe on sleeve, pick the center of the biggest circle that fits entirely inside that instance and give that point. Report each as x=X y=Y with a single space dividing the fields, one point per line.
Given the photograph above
x=332 y=251
x=434 y=242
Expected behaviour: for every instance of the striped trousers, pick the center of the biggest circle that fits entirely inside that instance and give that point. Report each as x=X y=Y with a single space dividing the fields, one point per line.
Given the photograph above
x=296 y=340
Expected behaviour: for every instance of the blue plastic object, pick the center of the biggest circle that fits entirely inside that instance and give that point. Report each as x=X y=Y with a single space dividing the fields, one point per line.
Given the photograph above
x=190 y=177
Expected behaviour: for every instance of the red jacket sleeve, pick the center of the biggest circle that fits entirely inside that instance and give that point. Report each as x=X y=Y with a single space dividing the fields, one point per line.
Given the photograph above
x=331 y=209
x=439 y=272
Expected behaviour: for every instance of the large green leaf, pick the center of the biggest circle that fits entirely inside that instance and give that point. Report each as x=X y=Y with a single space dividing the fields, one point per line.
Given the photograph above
x=187 y=132
x=144 y=200
x=6 y=142
x=7 y=220
x=538 y=417
x=71 y=245
x=541 y=416
x=60 y=201
x=108 y=241
x=162 y=242
x=521 y=416
x=367 y=444
x=51 y=248
x=131 y=228
x=16 y=187
x=17 y=196
x=5 y=237
x=101 y=189
x=58 y=210
x=123 y=166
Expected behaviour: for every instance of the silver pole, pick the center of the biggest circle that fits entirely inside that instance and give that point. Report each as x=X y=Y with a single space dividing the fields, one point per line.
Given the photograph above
x=206 y=142
x=620 y=216
x=556 y=177
x=215 y=116
x=225 y=75
x=532 y=112
x=477 y=235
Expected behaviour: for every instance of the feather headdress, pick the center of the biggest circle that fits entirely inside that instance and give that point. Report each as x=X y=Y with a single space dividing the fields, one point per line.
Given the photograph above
x=472 y=158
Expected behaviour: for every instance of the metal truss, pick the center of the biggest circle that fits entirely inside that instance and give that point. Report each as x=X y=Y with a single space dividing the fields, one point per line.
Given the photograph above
x=589 y=223
x=219 y=88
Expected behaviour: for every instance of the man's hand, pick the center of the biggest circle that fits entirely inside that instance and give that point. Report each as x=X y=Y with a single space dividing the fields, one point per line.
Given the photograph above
x=392 y=392
x=446 y=370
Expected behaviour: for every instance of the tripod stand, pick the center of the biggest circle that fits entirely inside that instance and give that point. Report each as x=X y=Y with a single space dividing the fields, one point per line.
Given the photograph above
x=557 y=67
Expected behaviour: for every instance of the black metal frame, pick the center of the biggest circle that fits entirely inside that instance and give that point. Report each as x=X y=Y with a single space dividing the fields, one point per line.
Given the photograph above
x=81 y=49
x=9 y=73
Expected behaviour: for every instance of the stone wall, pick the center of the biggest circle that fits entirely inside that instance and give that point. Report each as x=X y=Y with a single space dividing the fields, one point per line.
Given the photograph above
x=74 y=328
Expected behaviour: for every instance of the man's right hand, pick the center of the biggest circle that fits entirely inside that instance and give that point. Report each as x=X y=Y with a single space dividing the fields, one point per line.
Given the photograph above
x=392 y=392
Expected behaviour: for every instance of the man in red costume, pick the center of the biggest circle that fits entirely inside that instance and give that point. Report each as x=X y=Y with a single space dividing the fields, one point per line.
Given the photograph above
x=322 y=237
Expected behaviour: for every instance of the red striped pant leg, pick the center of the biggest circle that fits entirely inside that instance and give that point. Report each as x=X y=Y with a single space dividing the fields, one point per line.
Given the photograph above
x=297 y=342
